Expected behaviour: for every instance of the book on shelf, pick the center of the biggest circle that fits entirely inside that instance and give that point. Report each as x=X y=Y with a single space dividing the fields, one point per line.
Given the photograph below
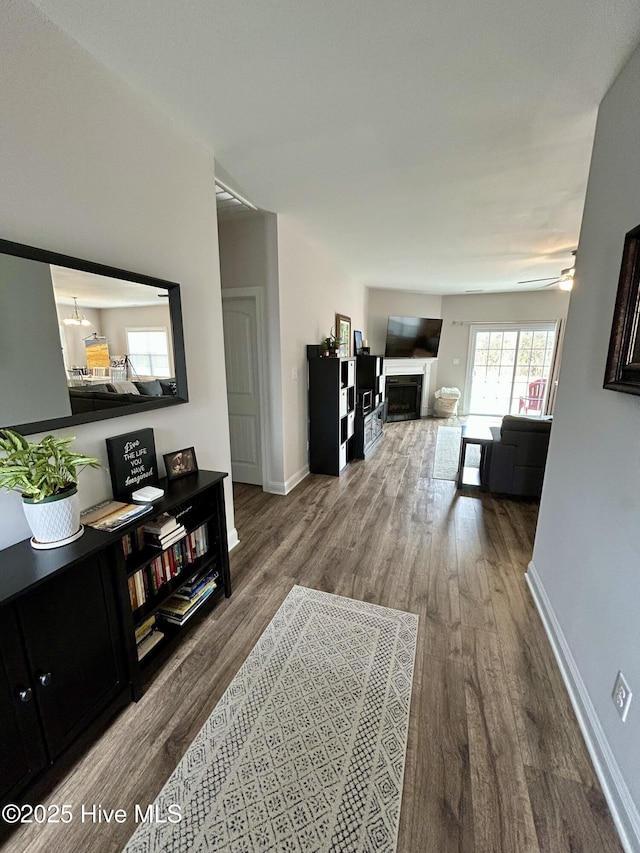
x=167 y=540
x=178 y=611
x=145 y=627
x=110 y=515
x=188 y=591
x=149 y=642
x=133 y=541
x=161 y=524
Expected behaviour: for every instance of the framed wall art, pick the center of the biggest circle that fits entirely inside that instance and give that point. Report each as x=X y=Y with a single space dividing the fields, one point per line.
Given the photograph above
x=343 y=334
x=623 y=361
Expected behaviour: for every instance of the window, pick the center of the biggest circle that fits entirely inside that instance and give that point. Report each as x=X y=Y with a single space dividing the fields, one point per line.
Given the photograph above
x=149 y=352
x=510 y=368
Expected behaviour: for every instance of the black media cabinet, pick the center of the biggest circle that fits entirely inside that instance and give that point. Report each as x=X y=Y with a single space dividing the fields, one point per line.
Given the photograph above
x=68 y=620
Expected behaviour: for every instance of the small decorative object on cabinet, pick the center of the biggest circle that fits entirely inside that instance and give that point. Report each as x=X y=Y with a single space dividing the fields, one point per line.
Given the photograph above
x=332 y=402
x=370 y=411
x=45 y=473
x=180 y=463
x=82 y=627
x=132 y=462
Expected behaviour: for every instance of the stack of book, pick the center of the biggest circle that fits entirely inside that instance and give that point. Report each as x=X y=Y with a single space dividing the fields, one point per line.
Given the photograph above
x=150 y=579
x=163 y=531
x=147 y=636
x=183 y=603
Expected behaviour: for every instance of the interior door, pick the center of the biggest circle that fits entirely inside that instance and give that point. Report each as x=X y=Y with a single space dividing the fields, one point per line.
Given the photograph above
x=243 y=388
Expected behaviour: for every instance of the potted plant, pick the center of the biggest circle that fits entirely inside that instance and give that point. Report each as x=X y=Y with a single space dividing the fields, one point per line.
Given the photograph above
x=46 y=475
x=330 y=345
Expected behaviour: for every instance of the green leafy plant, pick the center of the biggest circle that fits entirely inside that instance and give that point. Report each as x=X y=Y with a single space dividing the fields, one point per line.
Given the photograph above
x=39 y=470
x=331 y=341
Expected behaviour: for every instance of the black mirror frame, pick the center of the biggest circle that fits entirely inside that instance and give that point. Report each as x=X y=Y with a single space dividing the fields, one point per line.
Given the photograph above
x=623 y=367
x=175 y=312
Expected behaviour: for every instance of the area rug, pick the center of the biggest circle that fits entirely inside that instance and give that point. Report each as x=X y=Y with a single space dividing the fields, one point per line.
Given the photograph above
x=305 y=750
x=445 y=461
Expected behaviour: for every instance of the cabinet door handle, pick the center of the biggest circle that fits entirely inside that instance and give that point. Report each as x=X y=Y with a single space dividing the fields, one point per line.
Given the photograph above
x=45 y=679
x=25 y=695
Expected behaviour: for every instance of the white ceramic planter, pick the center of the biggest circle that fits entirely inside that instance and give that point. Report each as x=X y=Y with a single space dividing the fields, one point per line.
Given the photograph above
x=54 y=521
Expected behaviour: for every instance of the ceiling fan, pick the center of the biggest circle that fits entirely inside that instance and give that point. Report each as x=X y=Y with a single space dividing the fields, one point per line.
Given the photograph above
x=564 y=280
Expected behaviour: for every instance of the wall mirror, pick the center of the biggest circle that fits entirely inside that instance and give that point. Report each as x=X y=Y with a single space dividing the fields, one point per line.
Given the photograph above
x=623 y=361
x=82 y=342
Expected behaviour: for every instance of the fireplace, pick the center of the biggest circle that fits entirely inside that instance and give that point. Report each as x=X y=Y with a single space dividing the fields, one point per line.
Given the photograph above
x=404 y=397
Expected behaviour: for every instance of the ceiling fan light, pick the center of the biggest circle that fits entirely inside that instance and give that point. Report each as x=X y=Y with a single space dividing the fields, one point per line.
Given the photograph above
x=566 y=283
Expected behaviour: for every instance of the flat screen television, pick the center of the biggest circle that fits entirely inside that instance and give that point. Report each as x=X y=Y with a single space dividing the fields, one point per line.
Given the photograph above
x=412 y=337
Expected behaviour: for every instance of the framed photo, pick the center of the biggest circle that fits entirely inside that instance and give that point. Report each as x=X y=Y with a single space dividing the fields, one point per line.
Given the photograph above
x=343 y=334
x=180 y=463
x=623 y=361
x=357 y=343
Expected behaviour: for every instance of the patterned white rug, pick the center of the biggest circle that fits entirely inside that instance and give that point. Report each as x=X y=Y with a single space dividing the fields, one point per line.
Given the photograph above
x=447 y=452
x=305 y=750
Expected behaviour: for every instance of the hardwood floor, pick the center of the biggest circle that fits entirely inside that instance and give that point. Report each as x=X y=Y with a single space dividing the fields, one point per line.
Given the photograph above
x=495 y=759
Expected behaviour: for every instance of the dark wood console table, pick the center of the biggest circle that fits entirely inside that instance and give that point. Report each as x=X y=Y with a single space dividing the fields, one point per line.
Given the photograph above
x=68 y=619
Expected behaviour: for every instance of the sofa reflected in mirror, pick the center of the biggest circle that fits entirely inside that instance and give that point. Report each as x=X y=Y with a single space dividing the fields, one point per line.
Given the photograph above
x=96 y=396
x=516 y=462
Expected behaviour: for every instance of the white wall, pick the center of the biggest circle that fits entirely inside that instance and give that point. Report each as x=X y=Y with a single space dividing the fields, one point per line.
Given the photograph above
x=243 y=240
x=531 y=306
x=248 y=245
x=386 y=303
x=90 y=169
x=313 y=288
x=588 y=541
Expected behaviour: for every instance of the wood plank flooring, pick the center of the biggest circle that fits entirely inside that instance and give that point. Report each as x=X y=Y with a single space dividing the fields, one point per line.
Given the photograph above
x=495 y=760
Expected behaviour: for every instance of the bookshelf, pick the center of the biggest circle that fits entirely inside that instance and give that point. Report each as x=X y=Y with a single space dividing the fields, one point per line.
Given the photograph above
x=332 y=404
x=70 y=634
x=369 y=422
x=155 y=576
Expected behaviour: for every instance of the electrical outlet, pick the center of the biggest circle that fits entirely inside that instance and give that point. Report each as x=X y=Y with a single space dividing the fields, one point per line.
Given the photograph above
x=621 y=696
x=456 y=361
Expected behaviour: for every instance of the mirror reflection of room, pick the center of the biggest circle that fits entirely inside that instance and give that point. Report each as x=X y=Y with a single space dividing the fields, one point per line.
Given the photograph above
x=115 y=337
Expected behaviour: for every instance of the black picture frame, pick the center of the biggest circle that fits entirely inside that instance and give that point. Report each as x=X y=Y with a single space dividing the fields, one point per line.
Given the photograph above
x=623 y=360
x=180 y=463
x=357 y=342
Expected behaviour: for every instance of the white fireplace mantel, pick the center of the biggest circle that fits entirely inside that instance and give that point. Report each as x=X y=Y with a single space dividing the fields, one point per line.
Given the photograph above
x=412 y=367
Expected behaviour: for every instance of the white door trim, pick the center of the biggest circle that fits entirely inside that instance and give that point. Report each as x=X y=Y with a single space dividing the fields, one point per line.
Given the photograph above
x=257 y=294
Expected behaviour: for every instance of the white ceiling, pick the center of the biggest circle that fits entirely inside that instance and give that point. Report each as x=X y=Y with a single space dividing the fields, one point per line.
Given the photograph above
x=101 y=291
x=438 y=146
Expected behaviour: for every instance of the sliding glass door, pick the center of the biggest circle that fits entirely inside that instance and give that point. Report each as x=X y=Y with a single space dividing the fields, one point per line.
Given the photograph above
x=509 y=369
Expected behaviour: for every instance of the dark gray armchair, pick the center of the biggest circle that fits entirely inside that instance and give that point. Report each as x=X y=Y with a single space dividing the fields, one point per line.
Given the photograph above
x=517 y=457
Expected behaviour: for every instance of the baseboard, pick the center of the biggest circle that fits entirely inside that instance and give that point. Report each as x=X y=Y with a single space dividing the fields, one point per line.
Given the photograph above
x=232 y=538
x=619 y=799
x=275 y=487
